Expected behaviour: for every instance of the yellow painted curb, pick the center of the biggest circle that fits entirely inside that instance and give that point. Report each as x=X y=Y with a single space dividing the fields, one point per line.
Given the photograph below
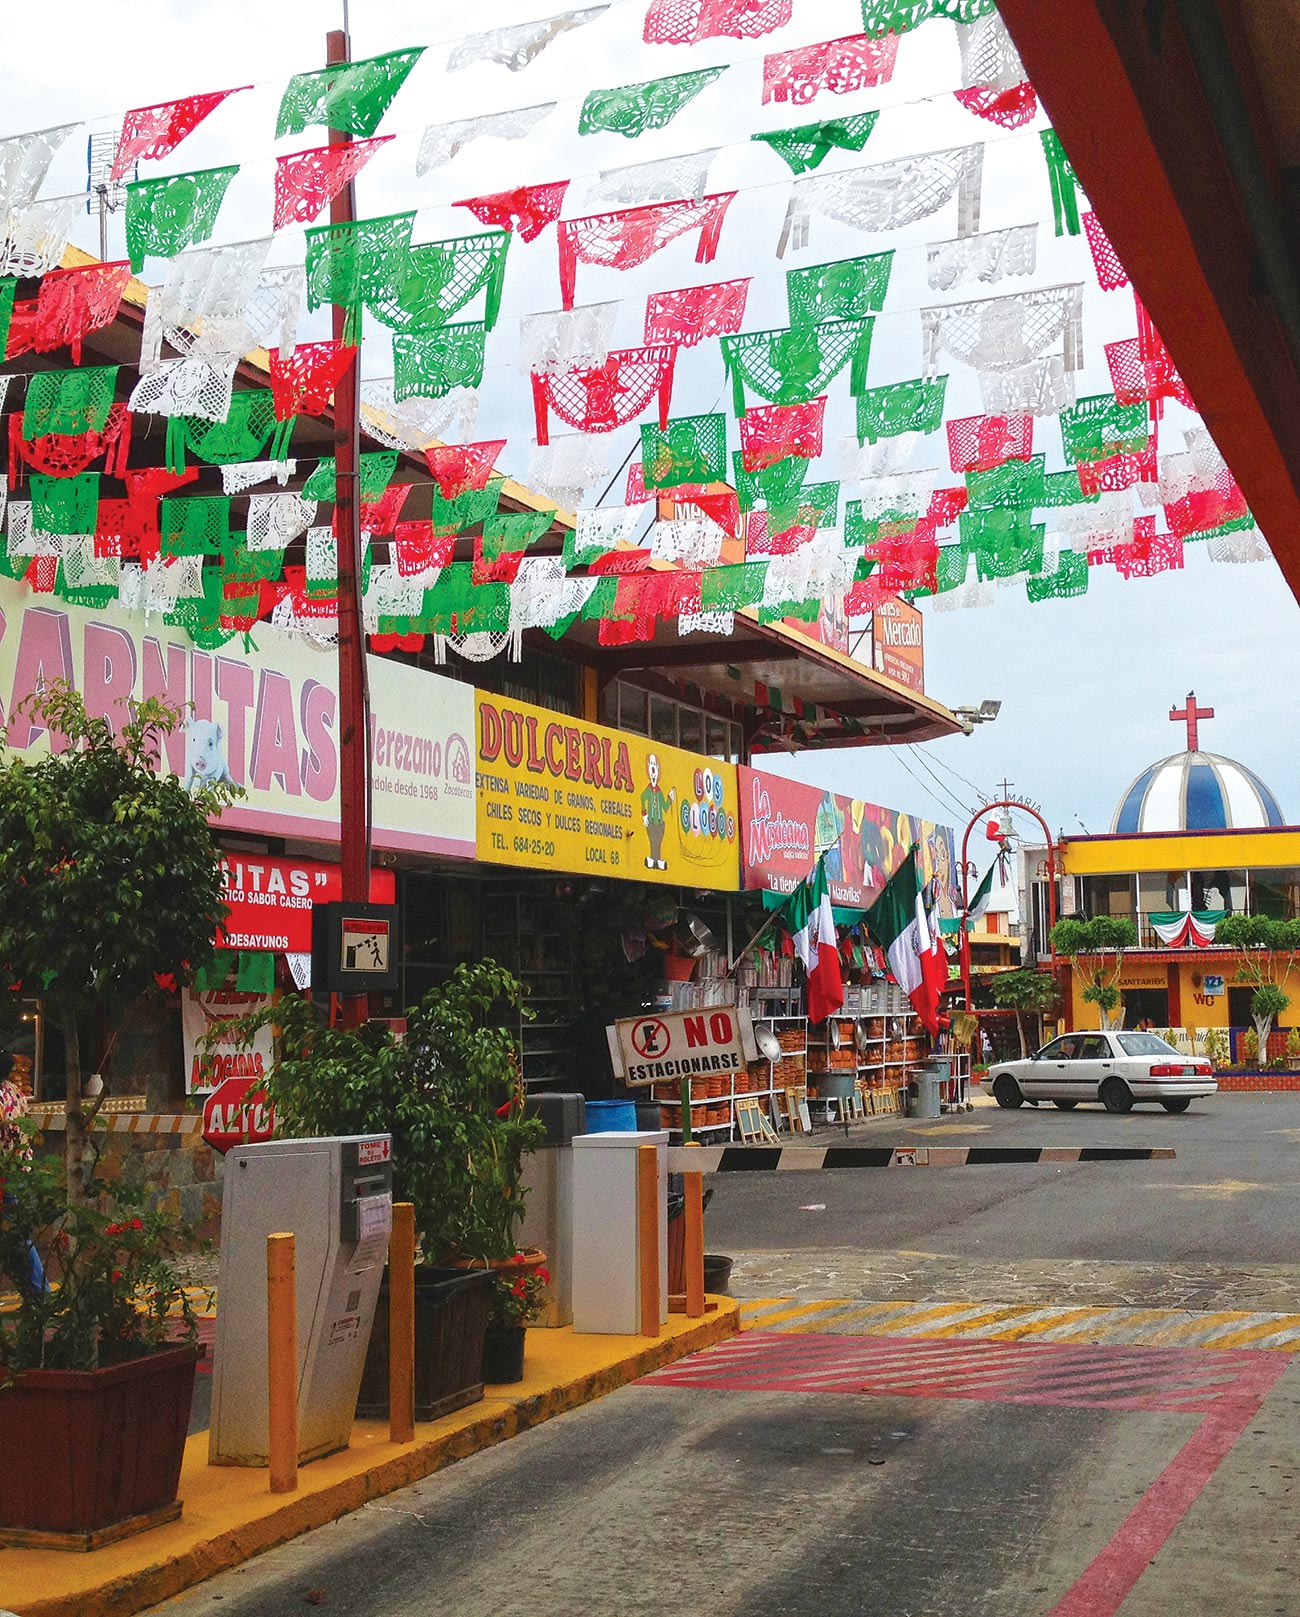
x=230 y=1515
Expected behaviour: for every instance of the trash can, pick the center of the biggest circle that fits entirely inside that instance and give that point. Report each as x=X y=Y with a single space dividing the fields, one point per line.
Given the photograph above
x=923 y=1091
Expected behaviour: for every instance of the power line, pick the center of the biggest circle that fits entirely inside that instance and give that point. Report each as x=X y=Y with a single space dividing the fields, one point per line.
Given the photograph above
x=939 y=786
x=924 y=785
x=978 y=790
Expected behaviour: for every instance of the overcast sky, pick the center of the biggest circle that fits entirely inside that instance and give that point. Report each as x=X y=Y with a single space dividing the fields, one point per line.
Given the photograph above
x=1085 y=685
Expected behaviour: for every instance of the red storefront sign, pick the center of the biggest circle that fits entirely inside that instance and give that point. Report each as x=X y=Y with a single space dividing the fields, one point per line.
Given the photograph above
x=786 y=826
x=270 y=899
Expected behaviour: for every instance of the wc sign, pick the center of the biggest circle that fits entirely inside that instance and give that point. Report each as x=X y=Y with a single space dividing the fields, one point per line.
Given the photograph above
x=710 y=1043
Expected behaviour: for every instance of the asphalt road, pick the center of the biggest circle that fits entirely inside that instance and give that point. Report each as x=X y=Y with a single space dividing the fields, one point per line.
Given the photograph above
x=1217 y=1226
x=1122 y=1482
x=659 y=1503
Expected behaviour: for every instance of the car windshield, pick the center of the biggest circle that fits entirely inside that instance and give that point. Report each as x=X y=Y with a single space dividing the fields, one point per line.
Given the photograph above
x=1145 y=1044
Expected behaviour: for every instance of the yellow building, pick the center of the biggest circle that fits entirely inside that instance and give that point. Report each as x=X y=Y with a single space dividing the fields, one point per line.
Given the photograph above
x=1195 y=837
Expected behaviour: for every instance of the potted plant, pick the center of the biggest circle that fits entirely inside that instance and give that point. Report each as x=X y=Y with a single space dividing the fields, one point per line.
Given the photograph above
x=448 y=1091
x=516 y=1300
x=96 y=1368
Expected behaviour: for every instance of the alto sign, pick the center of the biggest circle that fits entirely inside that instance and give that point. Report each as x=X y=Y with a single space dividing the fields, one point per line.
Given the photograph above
x=709 y=1043
x=237 y=1112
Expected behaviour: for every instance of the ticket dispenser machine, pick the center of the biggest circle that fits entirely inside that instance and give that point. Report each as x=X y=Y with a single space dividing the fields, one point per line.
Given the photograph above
x=336 y=1196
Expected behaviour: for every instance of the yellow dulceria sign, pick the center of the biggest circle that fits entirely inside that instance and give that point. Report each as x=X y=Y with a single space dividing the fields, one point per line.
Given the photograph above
x=556 y=793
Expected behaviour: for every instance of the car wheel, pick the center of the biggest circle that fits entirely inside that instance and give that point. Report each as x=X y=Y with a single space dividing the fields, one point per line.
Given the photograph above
x=1116 y=1096
x=1177 y=1105
x=1006 y=1091
x=1065 y=1105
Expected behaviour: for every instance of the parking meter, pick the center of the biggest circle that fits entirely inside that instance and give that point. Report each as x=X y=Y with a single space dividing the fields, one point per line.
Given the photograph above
x=336 y=1196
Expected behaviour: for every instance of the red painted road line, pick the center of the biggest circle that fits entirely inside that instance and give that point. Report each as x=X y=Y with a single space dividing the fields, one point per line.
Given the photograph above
x=1109 y=1581
x=1088 y=1375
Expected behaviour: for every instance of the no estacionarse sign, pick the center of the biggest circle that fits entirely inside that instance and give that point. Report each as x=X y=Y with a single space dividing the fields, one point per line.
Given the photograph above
x=711 y=1043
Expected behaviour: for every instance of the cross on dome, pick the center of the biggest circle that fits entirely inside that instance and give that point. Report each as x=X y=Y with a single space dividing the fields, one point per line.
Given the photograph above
x=1189 y=715
x=1195 y=790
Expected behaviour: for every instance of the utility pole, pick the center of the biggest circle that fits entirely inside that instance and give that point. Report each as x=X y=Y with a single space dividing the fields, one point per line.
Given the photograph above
x=354 y=695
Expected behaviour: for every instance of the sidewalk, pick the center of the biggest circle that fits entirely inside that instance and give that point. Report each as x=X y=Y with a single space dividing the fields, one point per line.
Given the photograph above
x=230 y=1515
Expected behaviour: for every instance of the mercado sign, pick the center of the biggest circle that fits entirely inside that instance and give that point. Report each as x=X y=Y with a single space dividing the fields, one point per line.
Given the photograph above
x=786 y=827
x=269 y=900
x=267 y=720
x=556 y=793
x=711 y=1043
x=898 y=644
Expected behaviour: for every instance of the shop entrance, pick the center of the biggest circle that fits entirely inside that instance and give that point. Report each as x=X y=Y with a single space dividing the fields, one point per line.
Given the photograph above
x=1146 y=1005
x=1239 y=1007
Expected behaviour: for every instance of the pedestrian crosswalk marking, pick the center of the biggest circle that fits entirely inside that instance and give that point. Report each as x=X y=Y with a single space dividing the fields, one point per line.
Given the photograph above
x=993 y=1322
x=1090 y=1376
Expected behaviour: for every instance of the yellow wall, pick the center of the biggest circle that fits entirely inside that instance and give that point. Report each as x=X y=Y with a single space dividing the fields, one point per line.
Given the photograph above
x=1200 y=851
x=1193 y=1013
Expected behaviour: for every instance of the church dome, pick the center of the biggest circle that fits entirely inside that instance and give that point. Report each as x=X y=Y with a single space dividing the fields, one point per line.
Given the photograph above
x=1196 y=791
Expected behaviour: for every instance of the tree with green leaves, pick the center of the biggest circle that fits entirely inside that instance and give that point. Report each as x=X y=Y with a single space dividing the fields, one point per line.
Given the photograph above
x=110 y=877
x=1094 y=949
x=1025 y=992
x=1267 y=950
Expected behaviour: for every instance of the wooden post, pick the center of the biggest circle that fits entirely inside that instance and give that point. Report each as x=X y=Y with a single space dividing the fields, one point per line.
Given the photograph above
x=401 y=1325
x=282 y=1362
x=647 y=1220
x=694 y=1263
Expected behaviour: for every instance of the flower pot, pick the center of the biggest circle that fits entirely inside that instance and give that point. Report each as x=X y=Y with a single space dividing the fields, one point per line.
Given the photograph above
x=91 y=1456
x=503 y=1353
x=451 y=1311
x=522 y=1263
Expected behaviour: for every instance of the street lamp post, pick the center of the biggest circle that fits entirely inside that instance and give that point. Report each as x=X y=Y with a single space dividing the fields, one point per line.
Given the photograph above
x=1003 y=803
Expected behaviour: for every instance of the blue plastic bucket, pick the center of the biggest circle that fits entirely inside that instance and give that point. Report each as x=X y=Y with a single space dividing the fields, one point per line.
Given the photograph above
x=611 y=1117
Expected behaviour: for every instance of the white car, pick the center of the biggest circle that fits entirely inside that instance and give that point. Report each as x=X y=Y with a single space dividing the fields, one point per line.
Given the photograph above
x=1116 y=1068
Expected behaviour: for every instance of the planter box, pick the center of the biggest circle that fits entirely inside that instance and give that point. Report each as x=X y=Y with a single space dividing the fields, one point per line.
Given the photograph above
x=451 y=1310
x=93 y=1455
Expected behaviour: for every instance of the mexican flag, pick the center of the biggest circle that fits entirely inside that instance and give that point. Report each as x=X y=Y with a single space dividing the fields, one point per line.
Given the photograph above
x=899 y=923
x=983 y=893
x=810 y=919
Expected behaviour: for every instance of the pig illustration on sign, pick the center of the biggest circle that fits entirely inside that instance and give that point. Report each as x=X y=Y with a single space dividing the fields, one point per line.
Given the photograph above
x=205 y=754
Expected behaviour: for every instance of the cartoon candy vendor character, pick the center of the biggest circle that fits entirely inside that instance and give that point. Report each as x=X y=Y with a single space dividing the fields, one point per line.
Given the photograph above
x=654 y=814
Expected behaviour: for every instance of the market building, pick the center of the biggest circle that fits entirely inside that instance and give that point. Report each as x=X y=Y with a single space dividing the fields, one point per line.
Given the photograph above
x=1195 y=837
x=584 y=812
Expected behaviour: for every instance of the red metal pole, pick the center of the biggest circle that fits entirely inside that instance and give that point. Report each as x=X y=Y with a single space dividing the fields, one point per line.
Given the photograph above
x=963 y=954
x=354 y=702
x=965 y=884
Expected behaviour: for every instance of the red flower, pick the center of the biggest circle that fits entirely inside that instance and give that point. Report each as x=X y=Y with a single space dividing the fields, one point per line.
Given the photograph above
x=136 y=1224
x=117 y=1274
x=544 y=1275
x=113 y=1229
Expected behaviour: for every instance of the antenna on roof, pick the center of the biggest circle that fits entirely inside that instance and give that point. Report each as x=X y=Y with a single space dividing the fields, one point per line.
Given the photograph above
x=103 y=193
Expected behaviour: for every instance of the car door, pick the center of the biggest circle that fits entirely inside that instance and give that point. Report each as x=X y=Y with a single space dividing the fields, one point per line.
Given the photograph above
x=1092 y=1066
x=1048 y=1076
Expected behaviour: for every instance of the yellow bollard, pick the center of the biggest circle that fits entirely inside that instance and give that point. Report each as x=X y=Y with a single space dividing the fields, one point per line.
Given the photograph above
x=647 y=1210
x=401 y=1325
x=282 y=1362
x=694 y=1243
